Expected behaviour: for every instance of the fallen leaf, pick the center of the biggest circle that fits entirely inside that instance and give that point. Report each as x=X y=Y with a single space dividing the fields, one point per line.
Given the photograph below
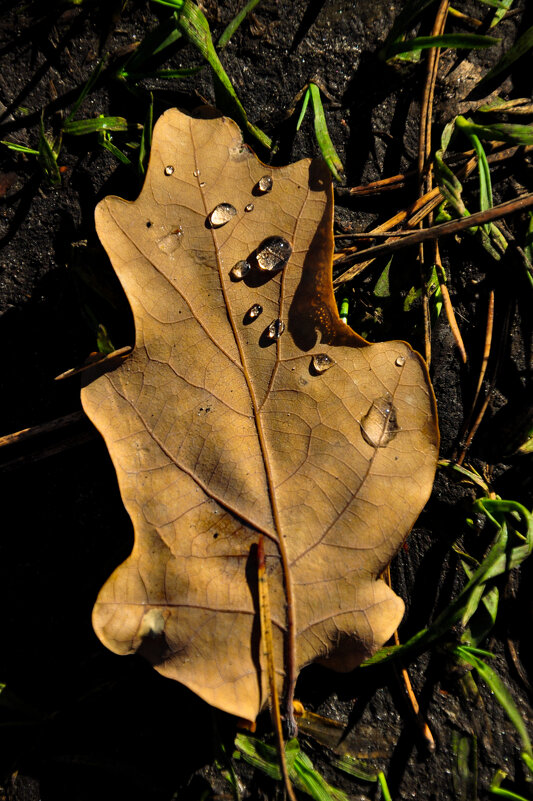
x=220 y=431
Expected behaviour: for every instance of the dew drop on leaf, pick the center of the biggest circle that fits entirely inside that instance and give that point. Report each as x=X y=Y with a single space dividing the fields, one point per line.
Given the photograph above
x=400 y=361
x=222 y=214
x=239 y=270
x=275 y=329
x=322 y=362
x=265 y=183
x=249 y=207
x=196 y=173
x=273 y=253
x=169 y=169
x=254 y=311
x=378 y=426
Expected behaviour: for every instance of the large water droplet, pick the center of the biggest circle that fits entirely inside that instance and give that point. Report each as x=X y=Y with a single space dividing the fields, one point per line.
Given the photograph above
x=400 y=361
x=169 y=170
x=239 y=270
x=275 y=329
x=322 y=362
x=264 y=184
x=273 y=254
x=222 y=214
x=172 y=241
x=254 y=311
x=379 y=426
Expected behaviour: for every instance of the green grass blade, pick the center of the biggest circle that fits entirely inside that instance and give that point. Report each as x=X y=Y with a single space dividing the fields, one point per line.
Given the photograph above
x=154 y=43
x=404 y=22
x=450 y=40
x=19 y=148
x=355 y=767
x=95 y=74
x=48 y=158
x=177 y=74
x=118 y=154
x=503 y=132
x=193 y=24
x=96 y=125
x=505 y=5
x=235 y=22
x=322 y=134
x=384 y=786
x=146 y=138
x=501 y=693
x=519 y=49
x=305 y=103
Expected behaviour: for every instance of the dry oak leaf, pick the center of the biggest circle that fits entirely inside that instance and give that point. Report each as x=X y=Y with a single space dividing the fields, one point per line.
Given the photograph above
x=221 y=426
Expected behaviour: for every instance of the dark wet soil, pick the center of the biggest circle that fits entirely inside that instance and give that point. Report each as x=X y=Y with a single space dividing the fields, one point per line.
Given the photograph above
x=78 y=722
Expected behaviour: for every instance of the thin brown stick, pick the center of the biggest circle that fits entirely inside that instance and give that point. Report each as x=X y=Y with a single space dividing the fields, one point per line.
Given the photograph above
x=268 y=650
x=445 y=229
x=382 y=185
x=423 y=727
x=448 y=307
x=483 y=369
x=25 y=434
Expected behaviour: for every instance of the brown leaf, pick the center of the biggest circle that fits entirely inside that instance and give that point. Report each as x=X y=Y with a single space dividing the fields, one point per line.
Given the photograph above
x=219 y=432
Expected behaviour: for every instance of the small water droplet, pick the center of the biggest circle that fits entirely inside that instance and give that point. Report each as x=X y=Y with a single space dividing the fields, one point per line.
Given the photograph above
x=275 y=329
x=239 y=270
x=273 y=254
x=264 y=184
x=249 y=207
x=196 y=173
x=169 y=169
x=400 y=361
x=222 y=214
x=378 y=426
x=254 y=311
x=202 y=183
x=322 y=362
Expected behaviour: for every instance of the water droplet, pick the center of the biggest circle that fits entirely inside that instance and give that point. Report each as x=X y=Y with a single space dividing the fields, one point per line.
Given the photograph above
x=400 y=361
x=275 y=329
x=264 y=184
x=273 y=254
x=378 y=426
x=196 y=173
x=322 y=362
x=169 y=170
x=239 y=270
x=249 y=207
x=254 y=311
x=222 y=214
x=171 y=242
x=202 y=183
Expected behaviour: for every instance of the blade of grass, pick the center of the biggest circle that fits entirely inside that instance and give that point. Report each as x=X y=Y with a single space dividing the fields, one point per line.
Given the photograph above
x=193 y=24
x=82 y=127
x=48 y=157
x=450 y=40
x=403 y=22
x=502 y=132
x=305 y=103
x=322 y=134
x=108 y=145
x=95 y=74
x=495 y=788
x=235 y=22
x=19 y=148
x=146 y=137
x=154 y=43
x=501 y=693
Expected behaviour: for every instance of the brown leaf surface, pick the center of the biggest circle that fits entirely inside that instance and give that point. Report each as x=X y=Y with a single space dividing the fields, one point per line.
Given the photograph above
x=218 y=433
